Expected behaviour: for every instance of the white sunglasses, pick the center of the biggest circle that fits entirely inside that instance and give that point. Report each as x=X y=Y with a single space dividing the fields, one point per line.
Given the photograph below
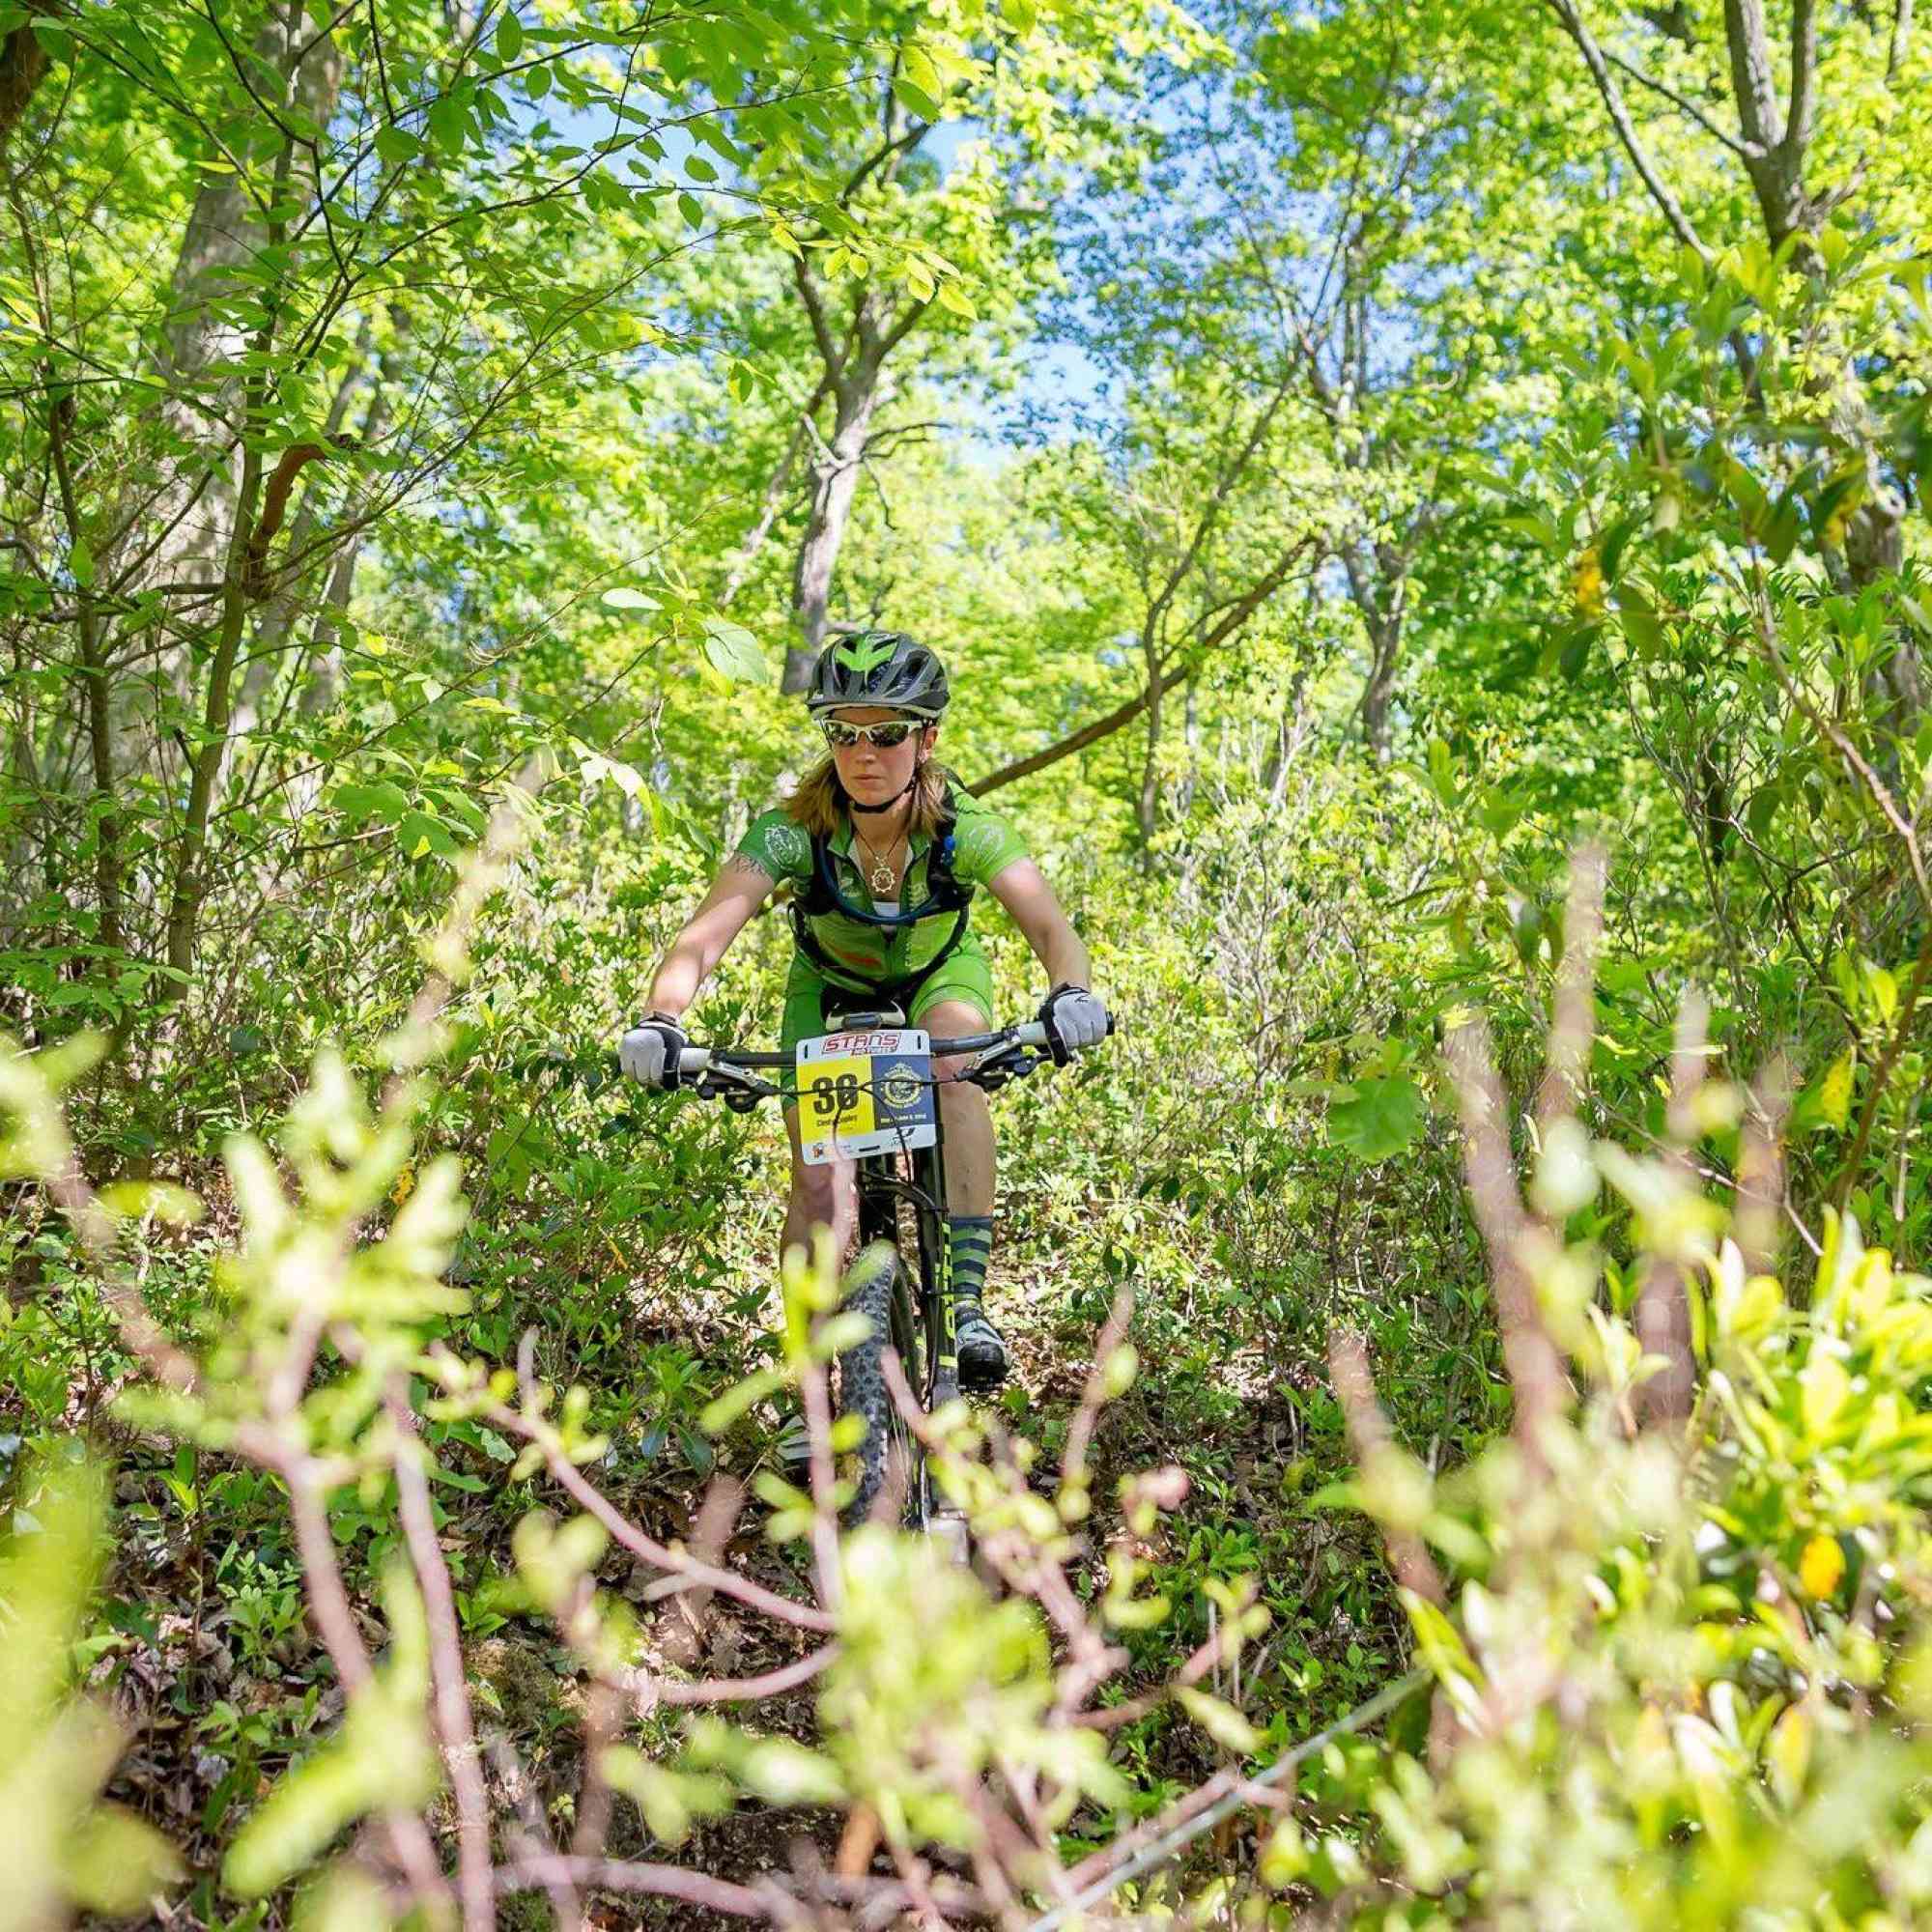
x=843 y=737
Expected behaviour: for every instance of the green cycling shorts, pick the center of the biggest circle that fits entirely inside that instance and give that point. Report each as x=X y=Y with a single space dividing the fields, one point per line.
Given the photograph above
x=966 y=974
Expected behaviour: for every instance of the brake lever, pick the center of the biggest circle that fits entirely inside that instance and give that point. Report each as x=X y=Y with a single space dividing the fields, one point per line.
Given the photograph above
x=739 y=1092
x=1010 y=1062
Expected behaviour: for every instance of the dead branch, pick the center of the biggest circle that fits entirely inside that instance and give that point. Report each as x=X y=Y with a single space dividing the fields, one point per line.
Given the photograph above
x=1535 y=1369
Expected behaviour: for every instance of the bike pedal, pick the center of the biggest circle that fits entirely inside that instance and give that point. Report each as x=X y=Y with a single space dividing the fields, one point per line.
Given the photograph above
x=795 y=1441
x=950 y=1531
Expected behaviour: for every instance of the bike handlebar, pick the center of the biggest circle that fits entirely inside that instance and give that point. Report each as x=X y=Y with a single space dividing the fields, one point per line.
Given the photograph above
x=730 y=1074
x=697 y=1060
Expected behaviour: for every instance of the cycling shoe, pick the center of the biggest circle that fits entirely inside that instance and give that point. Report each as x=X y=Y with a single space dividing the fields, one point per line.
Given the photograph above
x=983 y=1355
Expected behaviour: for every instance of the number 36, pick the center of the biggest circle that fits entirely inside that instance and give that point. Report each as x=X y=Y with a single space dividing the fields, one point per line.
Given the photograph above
x=835 y=1096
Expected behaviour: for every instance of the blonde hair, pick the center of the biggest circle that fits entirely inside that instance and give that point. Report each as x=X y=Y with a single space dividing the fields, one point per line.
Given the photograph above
x=819 y=804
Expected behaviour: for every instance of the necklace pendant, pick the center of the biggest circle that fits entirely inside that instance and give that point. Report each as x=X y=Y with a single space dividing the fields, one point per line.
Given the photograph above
x=884 y=880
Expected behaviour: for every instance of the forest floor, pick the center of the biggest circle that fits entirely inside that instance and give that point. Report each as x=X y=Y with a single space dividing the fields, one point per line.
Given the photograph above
x=207 y=1656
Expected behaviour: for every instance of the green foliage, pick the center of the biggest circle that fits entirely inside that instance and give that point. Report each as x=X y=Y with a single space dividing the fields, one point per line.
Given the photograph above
x=64 y=1844
x=1389 y=485
x=380 y=1761
x=1683 y=1679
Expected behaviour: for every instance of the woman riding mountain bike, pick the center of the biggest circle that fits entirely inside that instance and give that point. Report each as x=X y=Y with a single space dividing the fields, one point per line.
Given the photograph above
x=884 y=853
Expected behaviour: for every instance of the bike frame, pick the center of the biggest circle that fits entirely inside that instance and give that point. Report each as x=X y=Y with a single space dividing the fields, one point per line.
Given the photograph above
x=922 y=1314
x=922 y=1335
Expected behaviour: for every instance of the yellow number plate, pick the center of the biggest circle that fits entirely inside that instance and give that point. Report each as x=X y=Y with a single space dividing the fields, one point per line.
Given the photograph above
x=866 y=1092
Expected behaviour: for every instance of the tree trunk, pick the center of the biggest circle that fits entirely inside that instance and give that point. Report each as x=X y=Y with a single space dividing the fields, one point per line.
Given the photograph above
x=190 y=870
x=1386 y=659
x=1287 y=738
x=22 y=63
x=774 y=495
x=1148 y=812
x=835 y=476
x=1190 y=736
x=1378 y=584
x=269 y=646
x=98 y=689
x=165 y=528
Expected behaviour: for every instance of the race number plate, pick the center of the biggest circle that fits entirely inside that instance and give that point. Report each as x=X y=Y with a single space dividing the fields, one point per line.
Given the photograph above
x=866 y=1092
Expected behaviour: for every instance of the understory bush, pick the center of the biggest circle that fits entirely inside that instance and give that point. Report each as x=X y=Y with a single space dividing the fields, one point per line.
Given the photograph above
x=1672 y=1622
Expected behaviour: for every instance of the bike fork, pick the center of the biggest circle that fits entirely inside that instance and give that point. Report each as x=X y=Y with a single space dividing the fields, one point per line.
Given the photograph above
x=946 y=1521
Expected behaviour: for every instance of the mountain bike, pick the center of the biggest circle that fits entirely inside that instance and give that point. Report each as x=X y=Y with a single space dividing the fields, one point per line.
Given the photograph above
x=867 y=1090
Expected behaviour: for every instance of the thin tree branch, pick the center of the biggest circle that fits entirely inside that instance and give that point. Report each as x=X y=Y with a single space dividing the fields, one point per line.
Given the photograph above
x=902 y=329
x=715 y=1895
x=1574 y=1022
x=1614 y=102
x=1535 y=1370
x=1662 y=1310
x=1750 y=72
x=1737 y=146
x=821 y=327
x=455 y=1728
x=1369 y=1437
x=902 y=144
x=1171 y=674
x=1804 y=77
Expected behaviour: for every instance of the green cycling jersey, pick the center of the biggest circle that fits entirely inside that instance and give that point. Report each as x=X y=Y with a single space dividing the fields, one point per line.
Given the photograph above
x=984 y=845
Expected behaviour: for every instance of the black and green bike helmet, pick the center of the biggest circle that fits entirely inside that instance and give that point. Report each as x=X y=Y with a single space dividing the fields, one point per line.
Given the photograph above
x=886 y=668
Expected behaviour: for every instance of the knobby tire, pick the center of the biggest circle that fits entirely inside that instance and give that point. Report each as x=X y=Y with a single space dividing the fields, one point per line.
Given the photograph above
x=863 y=1392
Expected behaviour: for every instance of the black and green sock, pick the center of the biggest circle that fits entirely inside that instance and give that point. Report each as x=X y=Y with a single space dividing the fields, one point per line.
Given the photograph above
x=969 y=1242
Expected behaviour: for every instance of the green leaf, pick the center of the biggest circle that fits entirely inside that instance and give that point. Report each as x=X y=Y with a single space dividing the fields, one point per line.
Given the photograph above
x=691 y=208
x=466 y=811
x=1499 y=810
x=1827 y=1103
x=130 y=1199
x=1574 y=650
x=80 y=560
x=380 y=800
x=509 y=37
x=1222 y=1722
x=1380 y=1122
x=1823 y=1389
x=915 y=100
x=396 y=145
x=1611 y=550
x=623 y=598
x=381 y=1759
x=733 y=650
x=595 y=767
x=1638 y=618
x=418 y=833
x=448 y=124
x=917 y=69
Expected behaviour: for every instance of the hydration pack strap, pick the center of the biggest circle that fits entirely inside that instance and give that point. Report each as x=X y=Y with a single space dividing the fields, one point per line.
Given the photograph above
x=890 y=992
x=943 y=894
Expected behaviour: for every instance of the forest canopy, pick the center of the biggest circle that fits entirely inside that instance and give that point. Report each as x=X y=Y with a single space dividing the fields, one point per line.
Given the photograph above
x=1423 y=510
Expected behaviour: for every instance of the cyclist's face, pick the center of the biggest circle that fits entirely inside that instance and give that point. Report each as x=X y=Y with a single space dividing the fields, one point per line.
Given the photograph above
x=870 y=771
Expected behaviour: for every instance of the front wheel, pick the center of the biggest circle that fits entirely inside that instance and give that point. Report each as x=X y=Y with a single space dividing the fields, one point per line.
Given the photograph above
x=888 y=1459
